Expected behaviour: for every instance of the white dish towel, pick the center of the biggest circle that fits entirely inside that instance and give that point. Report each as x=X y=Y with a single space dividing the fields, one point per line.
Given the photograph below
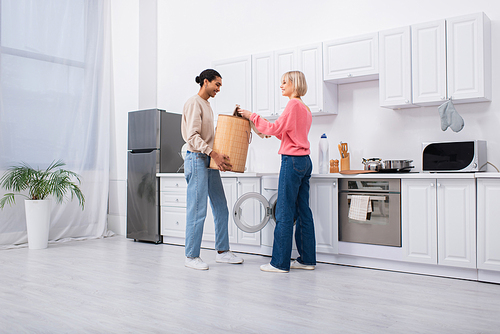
x=360 y=207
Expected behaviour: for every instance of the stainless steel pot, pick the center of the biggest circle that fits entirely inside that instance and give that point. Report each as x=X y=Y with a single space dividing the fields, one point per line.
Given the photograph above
x=372 y=164
x=397 y=164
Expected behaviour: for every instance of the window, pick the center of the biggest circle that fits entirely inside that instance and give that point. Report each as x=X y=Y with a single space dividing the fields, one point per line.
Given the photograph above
x=45 y=74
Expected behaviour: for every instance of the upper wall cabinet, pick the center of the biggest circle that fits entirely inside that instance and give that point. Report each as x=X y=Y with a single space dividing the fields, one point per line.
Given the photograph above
x=447 y=59
x=395 y=68
x=351 y=59
x=452 y=59
x=320 y=97
x=285 y=60
x=469 y=58
x=429 y=62
x=263 y=84
x=236 y=85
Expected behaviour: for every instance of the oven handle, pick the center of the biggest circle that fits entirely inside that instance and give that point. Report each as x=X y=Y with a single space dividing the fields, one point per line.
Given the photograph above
x=372 y=197
x=363 y=191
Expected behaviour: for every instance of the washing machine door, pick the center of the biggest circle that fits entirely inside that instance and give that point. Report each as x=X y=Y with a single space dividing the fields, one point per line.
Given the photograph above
x=251 y=212
x=272 y=205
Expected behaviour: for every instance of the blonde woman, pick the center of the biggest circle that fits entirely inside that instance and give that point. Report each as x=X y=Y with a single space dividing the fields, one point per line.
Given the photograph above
x=292 y=128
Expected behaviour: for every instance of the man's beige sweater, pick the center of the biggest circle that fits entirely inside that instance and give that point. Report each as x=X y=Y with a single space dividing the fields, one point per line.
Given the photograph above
x=198 y=125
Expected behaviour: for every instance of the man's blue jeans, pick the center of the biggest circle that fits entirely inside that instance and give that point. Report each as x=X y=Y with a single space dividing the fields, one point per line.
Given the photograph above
x=293 y=202
x=203 y=183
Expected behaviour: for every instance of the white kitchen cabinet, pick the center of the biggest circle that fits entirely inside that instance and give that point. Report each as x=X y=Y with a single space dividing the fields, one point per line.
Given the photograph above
x=429 y=62
x=263 y=84
x=323 y=203
x=395 y=86
x=488 y=224
x=173 y=210
x=234 y=187
x=452 y=59
x=321 y=97
x=351 y=59
x=173 y=207
x=285 y=61
x=236 y=85
x=419 y=220
x=251 y=210
x=457 y=222
x=438 y=221
x=469 y=58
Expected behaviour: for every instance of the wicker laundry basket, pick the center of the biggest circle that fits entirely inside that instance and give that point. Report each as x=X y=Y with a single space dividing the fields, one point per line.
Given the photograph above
x=232 y=136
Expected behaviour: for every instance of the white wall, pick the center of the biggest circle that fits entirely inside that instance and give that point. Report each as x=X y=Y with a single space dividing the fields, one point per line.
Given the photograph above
x=192 y=34
x=125 y=50
x=191 y=37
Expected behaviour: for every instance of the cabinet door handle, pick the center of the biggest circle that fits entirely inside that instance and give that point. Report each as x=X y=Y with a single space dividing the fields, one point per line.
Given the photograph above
x=432 y=184
x=439 y=184
x=176 y=184
x=407 y=101
x=334 y=184
x=349 y=75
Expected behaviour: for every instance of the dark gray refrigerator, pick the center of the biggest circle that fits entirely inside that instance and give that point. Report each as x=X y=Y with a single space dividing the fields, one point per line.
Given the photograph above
x=154 y=145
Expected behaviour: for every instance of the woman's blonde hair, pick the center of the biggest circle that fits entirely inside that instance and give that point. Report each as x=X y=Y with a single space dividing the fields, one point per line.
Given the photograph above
x=298 y=80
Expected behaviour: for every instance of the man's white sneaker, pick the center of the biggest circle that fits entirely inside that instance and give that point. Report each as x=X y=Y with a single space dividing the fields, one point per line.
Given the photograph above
x=297 y=265
x=228 y=257
x=195 y=263
x=268 y=267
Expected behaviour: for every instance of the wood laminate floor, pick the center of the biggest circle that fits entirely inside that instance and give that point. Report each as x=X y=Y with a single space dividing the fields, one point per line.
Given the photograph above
x=115 y=285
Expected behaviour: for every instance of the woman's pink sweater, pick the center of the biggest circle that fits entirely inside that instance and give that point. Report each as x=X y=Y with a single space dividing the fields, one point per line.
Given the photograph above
x=292 y=128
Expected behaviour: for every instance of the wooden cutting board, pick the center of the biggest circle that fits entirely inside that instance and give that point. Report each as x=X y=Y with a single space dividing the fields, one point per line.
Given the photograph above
x=351 y=172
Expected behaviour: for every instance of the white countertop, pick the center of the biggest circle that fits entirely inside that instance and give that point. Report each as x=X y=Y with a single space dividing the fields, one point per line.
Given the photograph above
x=169 y=174
x=421 y=175
x=223 y=174
x=487 y=175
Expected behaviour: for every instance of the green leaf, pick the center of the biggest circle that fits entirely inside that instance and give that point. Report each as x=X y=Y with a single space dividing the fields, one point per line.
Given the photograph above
x=41 y=184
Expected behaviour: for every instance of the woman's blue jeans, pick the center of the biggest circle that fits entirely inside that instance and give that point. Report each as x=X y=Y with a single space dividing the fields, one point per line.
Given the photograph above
x=293 y=203
x=203 y=183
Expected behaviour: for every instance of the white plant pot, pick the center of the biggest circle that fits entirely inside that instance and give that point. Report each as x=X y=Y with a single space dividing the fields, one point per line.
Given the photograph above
x=37 y=222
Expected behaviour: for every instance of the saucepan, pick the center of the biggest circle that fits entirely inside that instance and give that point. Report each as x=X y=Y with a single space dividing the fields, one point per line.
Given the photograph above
x=373 y=164
x=379 y=165
x=399 y=165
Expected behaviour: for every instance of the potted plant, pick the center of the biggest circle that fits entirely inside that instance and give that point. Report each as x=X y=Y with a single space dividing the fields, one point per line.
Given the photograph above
x=40 y=184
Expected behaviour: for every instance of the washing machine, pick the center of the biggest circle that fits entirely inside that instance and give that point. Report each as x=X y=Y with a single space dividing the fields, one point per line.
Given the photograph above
x=266 y=222
x=266 y=200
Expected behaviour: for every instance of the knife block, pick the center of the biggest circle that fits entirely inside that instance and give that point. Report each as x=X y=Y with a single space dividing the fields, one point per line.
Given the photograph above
x=345 y=163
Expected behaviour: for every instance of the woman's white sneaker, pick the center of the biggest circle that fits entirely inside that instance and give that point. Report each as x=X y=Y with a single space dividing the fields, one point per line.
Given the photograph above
x=269 y=268
x=228 y=257
x=195 y=263
x=297 y=265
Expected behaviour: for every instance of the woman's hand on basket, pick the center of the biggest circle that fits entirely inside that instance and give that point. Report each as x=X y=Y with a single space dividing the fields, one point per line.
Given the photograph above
x=245 y=113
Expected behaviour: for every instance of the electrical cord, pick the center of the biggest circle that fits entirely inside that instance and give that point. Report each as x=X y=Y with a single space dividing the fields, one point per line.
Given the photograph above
x=489 y=163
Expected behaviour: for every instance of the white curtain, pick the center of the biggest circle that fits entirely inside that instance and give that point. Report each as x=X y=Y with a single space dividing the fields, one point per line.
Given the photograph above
x=55 y=104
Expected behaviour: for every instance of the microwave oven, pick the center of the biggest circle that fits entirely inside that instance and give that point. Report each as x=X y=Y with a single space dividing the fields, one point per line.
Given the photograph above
x=454 y=156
